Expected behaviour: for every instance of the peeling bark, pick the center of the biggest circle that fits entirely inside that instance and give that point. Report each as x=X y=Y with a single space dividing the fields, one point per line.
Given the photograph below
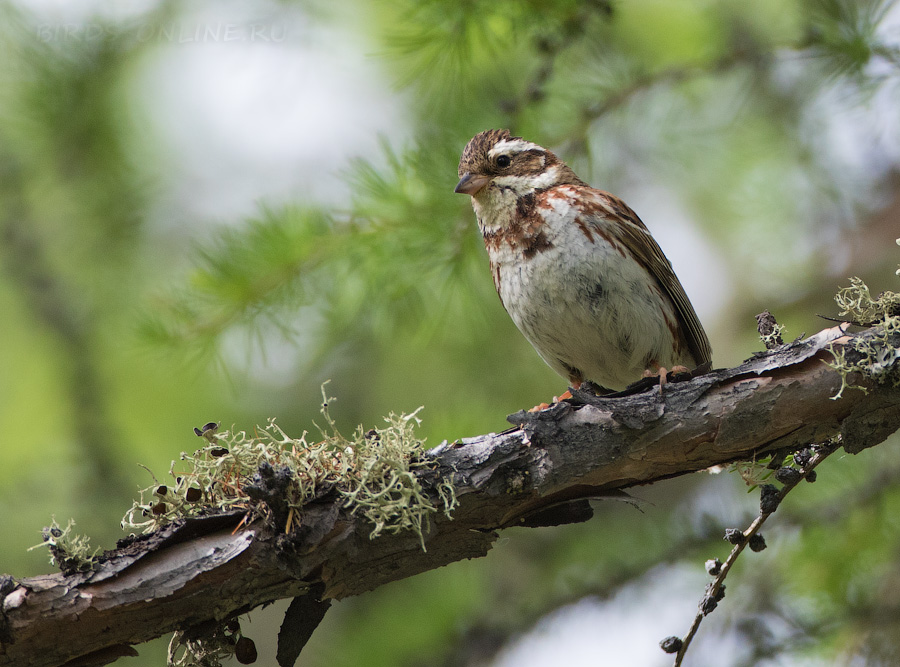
x=201 y=571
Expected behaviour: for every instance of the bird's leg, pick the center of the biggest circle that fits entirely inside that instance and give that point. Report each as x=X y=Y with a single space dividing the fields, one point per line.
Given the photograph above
x=556 y=399
x=663 y=373
x=658 y=371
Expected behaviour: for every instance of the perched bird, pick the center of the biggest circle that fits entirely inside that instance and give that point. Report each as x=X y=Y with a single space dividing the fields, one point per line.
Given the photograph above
x=576 y=269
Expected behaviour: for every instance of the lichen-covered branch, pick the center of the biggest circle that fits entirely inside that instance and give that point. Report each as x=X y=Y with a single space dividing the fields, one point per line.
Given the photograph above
x=194 y=574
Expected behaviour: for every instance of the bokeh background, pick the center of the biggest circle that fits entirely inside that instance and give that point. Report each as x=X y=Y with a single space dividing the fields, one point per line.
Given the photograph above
x=208 y=208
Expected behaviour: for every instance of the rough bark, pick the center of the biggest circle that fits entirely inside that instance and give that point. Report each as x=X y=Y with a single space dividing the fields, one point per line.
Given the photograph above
x=194 y=574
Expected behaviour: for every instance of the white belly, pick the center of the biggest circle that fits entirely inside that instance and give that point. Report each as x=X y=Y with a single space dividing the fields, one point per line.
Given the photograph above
x=588 y=310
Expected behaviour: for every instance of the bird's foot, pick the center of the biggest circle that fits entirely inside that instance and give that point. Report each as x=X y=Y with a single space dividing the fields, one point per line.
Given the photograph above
x=556 y=399
x=676 y=372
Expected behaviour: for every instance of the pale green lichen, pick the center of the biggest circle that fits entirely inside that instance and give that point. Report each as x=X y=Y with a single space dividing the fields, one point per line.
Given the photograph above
x=197 y=653
x=876 y=357
x=376 y=473
x=69 y=551
x=773 y=339
x=211 y=650
x=859 y=306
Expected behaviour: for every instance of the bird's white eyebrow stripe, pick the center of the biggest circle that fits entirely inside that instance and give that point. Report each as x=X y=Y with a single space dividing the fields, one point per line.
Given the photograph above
x=513 y=146
x=543 y=180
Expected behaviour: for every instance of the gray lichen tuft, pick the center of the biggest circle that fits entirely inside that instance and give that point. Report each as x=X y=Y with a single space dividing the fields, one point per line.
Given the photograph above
x=876 y=357
x=376 y=473
x=218 y=645
x=69 y=551
x=859 y=306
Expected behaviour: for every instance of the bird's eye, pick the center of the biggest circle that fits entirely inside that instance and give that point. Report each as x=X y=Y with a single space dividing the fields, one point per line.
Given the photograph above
x=503 y=161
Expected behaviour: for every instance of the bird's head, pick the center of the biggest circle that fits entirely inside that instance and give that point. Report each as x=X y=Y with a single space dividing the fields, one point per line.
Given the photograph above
x=494 y=162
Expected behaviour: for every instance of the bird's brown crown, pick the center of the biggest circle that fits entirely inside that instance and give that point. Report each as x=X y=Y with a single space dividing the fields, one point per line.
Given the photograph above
x=483 y=153
x=475 y=154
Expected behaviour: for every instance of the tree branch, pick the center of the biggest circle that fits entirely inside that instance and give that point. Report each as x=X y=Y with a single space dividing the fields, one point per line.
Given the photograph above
x=196 y=573
x=770 y=499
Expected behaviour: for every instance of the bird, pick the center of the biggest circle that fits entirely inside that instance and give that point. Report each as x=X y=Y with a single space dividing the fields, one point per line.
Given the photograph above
x=577 y=270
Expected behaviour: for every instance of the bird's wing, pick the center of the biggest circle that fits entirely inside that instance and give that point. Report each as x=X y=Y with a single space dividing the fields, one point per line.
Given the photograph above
x=629 y=230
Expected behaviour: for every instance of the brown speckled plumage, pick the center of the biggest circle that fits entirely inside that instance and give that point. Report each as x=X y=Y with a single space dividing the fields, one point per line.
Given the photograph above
x=576 y=268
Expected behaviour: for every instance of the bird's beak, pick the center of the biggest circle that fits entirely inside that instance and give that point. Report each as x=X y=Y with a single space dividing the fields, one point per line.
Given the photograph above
x=471 y=184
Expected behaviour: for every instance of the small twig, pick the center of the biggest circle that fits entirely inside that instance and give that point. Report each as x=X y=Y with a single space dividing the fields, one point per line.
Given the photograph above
x=770 y=498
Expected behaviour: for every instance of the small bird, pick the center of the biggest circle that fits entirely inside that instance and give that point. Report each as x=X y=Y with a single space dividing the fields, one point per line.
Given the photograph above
x=577 y=269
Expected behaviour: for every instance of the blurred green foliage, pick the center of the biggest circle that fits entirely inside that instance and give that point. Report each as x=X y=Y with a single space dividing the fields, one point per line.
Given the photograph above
x=769 y=126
